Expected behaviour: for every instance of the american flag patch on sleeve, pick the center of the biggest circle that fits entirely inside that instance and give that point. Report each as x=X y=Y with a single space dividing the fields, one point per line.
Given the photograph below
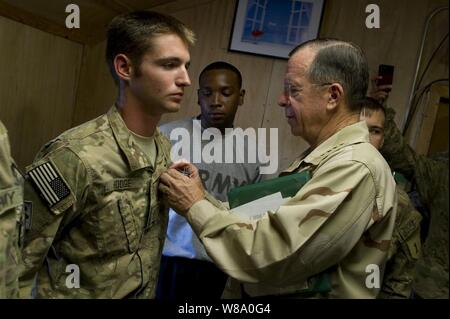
x=52 y=187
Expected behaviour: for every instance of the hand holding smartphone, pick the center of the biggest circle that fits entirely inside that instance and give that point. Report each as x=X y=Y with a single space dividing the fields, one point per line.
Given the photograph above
x=386 y=72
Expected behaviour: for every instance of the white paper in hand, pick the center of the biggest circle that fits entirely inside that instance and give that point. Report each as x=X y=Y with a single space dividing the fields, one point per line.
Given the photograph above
x=257 y=208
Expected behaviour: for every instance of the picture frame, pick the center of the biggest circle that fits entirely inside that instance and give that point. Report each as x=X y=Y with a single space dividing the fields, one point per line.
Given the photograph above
x=274 y=27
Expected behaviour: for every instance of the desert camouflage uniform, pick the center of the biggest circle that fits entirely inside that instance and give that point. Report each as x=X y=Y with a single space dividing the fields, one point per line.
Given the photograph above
x=108 y=218
x=404 y=252
x=11 y=200
x=339 y=224
x=431 y=179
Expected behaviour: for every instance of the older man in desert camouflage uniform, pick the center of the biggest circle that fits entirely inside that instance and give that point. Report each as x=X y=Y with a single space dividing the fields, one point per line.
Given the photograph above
x=11 y=200
x=338 y=226
x=96 y=211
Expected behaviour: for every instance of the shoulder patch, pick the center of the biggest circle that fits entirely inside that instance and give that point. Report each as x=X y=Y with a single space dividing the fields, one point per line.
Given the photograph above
x=51 y=185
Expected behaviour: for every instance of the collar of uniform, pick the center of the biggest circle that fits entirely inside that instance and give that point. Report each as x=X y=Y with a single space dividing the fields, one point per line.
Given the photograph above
x=162 y=153
x=125 y=140
x=352 y=134
x=296 y=164
x=349 y=135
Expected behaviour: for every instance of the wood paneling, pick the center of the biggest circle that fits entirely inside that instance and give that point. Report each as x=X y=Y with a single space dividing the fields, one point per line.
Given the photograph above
x=96 y=91
x=427 y=131
x=50 y=15
x=439 y=138
x=41 y=22
x=38 y=85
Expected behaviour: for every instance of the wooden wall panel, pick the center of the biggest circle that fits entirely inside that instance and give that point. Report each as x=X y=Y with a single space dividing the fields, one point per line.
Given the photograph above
x=440 y=130
x=396 y=42
x=427 y=122
x=38 y=85
x=50 y=15
x=96 y=90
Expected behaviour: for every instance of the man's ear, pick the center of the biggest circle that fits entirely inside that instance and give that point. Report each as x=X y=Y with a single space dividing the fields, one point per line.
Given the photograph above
x=123 y=67
x=335 y=95
x=198 y=96
x=241 y=97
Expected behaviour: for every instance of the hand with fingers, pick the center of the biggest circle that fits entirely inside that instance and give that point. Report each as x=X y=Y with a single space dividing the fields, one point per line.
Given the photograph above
x=180 y=190
x=379 y=92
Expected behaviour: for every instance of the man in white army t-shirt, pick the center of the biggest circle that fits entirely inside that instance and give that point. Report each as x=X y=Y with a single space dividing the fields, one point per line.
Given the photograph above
x=187 y=272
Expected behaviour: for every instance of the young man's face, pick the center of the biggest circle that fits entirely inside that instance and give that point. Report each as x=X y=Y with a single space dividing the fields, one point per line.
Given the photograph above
x=375 y=123
x=219 y=97
x=159 y=86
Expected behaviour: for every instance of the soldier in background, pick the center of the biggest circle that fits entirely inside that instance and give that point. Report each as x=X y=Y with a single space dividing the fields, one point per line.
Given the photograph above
x=429 y=177
x=187 y=272
x=98 y=222
x=11 y=200
x=405 y=247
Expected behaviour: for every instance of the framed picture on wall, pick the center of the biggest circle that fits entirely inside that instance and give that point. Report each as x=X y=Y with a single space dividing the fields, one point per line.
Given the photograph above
x=274 y=27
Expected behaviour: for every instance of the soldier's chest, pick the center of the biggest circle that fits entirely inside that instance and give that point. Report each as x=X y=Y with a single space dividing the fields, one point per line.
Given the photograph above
x=123 y=208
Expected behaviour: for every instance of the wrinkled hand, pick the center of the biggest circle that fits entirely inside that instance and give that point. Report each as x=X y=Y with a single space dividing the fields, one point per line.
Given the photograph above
x=379 y=93
x=181 y=191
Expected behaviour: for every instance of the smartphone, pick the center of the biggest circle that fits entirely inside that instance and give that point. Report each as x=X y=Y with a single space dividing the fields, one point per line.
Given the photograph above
x=387 y=72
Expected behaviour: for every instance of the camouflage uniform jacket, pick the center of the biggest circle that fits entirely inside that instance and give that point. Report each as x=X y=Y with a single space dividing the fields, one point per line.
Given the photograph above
x=11 y=199
x=404 y=252
x=339 y=223
x=100 y=211
x=431 y=179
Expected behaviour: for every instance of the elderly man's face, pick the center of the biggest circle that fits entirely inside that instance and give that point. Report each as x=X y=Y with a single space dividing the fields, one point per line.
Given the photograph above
x=304 y=102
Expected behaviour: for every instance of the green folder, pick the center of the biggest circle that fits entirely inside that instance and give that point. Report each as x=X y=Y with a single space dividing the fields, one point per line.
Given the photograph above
x=287 y=185
x=401 y=180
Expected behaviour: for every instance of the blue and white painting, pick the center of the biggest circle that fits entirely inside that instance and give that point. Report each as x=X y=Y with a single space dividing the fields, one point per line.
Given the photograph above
x=272 y=27
x=277 y=21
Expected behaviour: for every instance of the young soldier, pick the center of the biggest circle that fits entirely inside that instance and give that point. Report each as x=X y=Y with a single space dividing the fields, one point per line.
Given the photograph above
x=405 y=248
x=98 y=222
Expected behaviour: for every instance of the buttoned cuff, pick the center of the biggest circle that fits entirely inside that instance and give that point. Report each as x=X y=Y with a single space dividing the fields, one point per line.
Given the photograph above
x=200 y=213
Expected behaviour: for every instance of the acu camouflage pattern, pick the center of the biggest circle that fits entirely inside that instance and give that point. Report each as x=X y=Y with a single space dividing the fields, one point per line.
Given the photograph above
x=112 y=225
x=404 y=252
x=431 y=179
x=340 y=222
x=11 y=199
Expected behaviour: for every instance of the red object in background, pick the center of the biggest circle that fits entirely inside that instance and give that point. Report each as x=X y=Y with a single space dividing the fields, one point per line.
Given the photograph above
x=257 y=33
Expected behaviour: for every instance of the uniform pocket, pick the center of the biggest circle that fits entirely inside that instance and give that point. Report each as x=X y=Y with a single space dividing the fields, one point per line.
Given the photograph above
x=116 y=228
x=129 y=224
x=413 y=245
x=409 y=233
